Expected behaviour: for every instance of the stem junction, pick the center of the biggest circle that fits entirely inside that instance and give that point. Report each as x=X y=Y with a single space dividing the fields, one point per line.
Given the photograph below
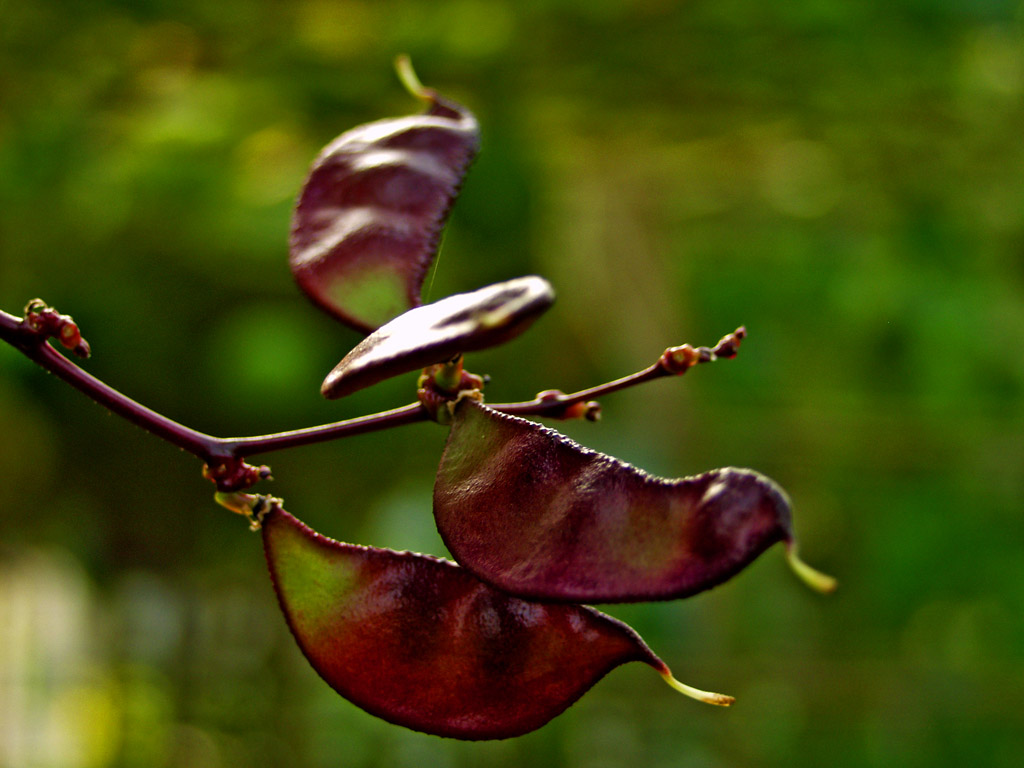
x=224 y=456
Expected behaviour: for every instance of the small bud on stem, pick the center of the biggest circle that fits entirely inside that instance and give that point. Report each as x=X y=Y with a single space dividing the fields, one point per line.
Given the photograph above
x=566 y=407
x=678 y=360
x=729 y=344
x=46 y=321
x=233 y=475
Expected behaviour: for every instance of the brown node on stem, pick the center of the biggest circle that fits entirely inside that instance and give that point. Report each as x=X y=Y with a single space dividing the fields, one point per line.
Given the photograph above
x=678 y=360
x=450 y=378
x=562 y=407
x=729 y=344
x=46 y=321
x=232 y=475
x=445 y=383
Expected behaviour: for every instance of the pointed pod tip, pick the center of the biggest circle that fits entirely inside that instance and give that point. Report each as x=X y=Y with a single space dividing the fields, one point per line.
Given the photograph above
x=812 y=577
x=409 y=78
x=718 y=699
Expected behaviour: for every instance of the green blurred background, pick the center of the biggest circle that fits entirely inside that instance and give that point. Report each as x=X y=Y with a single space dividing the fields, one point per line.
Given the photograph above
x=846 y=179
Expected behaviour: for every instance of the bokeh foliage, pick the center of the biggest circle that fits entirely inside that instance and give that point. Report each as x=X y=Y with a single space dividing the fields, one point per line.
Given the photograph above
x=847 y=179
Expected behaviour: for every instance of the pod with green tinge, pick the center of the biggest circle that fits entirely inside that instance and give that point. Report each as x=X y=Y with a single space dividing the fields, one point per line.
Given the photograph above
x=368 y=220
x=422 y=643
x=533 y=513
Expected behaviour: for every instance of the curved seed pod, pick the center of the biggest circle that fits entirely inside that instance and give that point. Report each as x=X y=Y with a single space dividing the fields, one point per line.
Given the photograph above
x=437 y=332
x=368 y=220
x=420 y=642
x=533 y=513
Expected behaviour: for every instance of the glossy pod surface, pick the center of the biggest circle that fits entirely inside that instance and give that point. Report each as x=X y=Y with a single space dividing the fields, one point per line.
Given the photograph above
x=437 y=332
x=368 y=220
x=420 y=642
x=533 y=513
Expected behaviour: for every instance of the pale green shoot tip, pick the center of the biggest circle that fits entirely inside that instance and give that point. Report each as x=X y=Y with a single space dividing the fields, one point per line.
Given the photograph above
x=247 y=504
x=718 y=699
x=812 y=577
x=409 y=78
x=239 y=503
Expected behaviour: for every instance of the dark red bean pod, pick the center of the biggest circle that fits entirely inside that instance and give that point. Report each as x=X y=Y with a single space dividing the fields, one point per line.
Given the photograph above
x=420 y=642
x=533 y=513
x=437 y=332
x=369 y=217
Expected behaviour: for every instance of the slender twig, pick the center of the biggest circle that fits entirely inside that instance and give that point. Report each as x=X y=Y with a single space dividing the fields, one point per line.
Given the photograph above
x=250 y=446
x=210 y=449
x=8 y=324
x=224 y=453
x=554 y=403
x=34 y=345
x=675 y=361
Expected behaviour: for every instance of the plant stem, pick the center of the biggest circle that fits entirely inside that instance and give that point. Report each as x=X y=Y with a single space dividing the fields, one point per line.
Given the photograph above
x=240 y=447
x=555 y=404
x=675 y=361
x=206 y=447
x=212 y=450
x=35 y=347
